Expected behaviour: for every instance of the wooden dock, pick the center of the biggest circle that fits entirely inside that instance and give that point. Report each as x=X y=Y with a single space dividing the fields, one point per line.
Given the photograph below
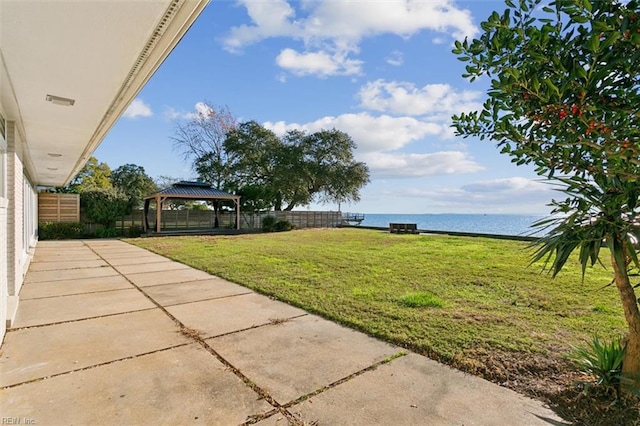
x=352 y=218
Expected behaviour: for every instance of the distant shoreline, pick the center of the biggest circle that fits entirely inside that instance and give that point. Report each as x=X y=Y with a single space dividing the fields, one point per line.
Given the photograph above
x=454 y=233
x=462 y=223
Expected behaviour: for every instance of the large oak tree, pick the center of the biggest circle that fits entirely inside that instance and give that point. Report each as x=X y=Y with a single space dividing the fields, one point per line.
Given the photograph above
x=296 y=169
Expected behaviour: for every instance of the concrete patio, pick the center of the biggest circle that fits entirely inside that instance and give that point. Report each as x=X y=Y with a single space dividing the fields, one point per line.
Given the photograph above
x=109 y=333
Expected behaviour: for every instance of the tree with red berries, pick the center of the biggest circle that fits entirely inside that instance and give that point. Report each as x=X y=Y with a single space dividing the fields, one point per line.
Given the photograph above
x=565 y=97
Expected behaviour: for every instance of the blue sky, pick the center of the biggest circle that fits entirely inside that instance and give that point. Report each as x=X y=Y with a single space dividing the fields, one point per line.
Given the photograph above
x=382 y=71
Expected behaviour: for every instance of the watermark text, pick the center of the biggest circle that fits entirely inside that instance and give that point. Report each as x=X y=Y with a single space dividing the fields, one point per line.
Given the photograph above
x=16 y=421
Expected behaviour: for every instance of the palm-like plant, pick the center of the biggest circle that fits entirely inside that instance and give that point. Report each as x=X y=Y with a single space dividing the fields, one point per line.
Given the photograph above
x=596 y=212
x=602 y=360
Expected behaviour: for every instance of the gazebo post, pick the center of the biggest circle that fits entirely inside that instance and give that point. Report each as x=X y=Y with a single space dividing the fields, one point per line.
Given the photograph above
x=158 y=214
x=237 y=203
x=145 y=216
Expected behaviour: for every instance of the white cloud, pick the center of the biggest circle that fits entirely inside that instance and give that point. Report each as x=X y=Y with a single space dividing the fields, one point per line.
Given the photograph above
x=380 y=138
x=518 y=185
x=349 y=20
x=200 y=109
x=514 y=195
x=138 y=108
x=382 y=133
x=370 y=133
x=203 y=110
x=270 y=19
x=171 y=113
x=439 y=100
x=322 y=64
x=396 y=58
x=334 y=29
x=399 y=165
x=357 y=19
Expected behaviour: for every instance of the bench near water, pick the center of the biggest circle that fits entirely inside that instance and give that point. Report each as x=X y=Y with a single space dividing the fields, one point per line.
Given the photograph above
x=403 y=228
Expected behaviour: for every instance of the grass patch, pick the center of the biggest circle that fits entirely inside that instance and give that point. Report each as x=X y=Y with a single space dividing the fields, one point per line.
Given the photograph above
x=604 y=309
x=421 y=300
x=489 y=299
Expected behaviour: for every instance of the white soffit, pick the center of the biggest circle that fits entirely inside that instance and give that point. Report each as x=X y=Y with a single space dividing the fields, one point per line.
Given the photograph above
x=98 y=53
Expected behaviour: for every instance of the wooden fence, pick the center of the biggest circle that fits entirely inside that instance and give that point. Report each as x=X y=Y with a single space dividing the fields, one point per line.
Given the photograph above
x=204 y=219
x=305 y=219
x=58 y=207
x=66 y=208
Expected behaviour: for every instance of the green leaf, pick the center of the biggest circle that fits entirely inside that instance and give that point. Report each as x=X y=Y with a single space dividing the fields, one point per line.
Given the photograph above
x=632 y=251
x=580 y=71
x=610 y=40
x=535 y=83
x=551 y=86
x=594 y=42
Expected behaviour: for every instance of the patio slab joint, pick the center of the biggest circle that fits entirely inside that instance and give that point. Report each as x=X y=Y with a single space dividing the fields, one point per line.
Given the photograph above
x=55 y=296
x=26 y=327
x=207 y=299
x=345 y=379
x=89 y=367
x=272 y=322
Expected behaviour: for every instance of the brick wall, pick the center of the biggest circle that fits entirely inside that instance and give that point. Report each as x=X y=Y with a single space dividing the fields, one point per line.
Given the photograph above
x=4 y=203
x=15 y=185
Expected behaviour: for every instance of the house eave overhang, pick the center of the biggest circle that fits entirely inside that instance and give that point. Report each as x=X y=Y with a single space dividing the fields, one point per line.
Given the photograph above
x=165 y=37
x=100 y=54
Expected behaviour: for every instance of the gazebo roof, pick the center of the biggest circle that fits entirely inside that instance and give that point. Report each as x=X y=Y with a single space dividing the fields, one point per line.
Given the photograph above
x=187 y=189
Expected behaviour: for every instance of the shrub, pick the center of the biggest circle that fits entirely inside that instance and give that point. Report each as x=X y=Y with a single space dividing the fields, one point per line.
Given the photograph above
x=268 y=223
x=419 y=300
x=282 y=225
x=105 y=232
x=105 y=205
x=135 y=231
x=60 y=230
x=603 y=361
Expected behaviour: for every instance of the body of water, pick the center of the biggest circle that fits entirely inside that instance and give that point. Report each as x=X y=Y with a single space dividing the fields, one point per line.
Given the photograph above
x=503 y=224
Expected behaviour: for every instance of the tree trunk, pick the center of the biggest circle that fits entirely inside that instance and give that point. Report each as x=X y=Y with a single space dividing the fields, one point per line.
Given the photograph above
x=631 y=361
x=216 y=223
x=278 y=204
x=295 y=200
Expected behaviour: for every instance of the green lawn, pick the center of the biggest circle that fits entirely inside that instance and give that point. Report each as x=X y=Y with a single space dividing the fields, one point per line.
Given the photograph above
x=446 y=297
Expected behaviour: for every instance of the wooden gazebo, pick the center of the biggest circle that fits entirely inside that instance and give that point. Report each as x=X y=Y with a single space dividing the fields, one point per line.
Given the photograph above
x=186 y=190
